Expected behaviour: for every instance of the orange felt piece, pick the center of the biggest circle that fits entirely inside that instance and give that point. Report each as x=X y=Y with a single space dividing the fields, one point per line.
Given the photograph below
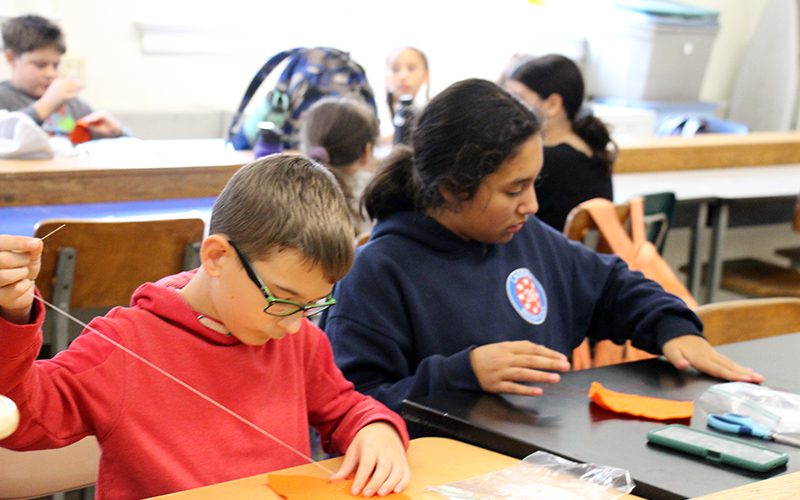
x=313 y=488
x=640 y=406
x=80 y=133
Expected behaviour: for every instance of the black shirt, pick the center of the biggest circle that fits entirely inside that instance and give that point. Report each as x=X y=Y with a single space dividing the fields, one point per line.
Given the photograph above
x=568 y=178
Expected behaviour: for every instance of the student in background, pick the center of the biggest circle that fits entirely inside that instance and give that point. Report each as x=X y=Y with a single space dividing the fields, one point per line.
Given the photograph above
x=578 y=150
x=341 y=133
x=235 y=329
x=406 y=74
x=33 y=49
x=513 y=62
x=461 y=288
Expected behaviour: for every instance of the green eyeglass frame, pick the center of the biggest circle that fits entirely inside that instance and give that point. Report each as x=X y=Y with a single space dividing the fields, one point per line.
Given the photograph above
x=275 y=306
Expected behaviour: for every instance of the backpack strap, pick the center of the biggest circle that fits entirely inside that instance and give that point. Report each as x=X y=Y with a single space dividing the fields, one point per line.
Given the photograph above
x=260 y=76
x=604 y=215
x=637 y=218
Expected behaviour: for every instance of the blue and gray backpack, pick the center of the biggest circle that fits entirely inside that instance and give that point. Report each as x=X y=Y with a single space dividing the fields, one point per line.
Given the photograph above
x=310 y=74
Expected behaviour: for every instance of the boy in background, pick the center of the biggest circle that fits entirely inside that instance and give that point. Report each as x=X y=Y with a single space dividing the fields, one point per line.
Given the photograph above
x=235 y=329
x=33 y=48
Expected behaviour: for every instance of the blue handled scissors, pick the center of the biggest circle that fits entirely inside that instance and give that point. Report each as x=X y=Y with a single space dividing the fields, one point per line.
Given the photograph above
x=744 y=426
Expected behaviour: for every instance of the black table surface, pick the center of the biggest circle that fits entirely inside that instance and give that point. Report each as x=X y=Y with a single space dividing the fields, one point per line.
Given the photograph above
x=564 y=422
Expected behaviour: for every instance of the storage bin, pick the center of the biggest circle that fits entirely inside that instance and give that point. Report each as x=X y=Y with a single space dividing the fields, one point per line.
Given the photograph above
x=650 y=50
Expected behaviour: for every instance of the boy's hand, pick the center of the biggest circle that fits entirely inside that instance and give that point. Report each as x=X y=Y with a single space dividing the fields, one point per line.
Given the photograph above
x=20 y=261
x=102 y=124
x=500 y=367
x=60 y=91
x=381 y=458
x=694 y=351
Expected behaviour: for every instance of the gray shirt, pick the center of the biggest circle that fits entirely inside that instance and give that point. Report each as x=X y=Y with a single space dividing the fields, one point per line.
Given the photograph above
x=60 y=122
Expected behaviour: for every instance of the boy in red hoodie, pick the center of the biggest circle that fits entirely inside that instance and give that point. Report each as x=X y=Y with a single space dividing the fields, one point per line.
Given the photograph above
x=235 y=329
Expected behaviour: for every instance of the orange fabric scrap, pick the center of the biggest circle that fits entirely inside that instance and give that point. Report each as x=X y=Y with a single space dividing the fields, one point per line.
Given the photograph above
x=80 y=133
x=640 y=406
x=313 y=488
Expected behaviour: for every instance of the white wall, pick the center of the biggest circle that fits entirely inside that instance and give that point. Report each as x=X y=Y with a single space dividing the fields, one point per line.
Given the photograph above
x=462 y=38
x=738 y=19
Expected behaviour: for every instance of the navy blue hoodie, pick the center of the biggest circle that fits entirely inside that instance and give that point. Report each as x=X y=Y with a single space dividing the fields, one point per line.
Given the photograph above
x=419 y=299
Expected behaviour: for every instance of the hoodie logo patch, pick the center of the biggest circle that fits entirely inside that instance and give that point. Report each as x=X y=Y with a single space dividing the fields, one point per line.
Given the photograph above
x=527 y=296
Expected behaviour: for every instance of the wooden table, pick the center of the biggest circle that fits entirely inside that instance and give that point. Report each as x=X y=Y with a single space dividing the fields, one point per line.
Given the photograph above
x=719 y=198
x=433 y=461
x=124 y=171
x=564 y=422
x=131 y=169
x=654 y=154
x=784 y=487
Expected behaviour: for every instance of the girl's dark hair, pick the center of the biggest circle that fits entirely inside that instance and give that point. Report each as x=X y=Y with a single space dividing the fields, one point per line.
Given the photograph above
x=556 y=74
x=464 y=134
x=390 y=95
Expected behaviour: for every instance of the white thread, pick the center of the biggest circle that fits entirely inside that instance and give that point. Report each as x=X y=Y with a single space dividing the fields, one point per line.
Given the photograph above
x=53 y=231
x=187 y=386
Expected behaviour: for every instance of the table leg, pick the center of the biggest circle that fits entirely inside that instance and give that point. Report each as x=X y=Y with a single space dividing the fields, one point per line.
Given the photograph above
x=719 y=226
x=695 y=260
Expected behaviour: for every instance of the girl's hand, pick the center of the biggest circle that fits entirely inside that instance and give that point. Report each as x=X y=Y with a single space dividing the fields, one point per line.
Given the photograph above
x=694 y=351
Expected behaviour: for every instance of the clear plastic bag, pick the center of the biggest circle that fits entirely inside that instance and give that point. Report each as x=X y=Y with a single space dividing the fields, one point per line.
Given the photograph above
x=543 y=475
x=777 y=410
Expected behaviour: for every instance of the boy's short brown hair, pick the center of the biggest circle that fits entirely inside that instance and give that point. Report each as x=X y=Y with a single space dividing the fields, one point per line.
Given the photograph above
x=27 y=33
x=287 y=202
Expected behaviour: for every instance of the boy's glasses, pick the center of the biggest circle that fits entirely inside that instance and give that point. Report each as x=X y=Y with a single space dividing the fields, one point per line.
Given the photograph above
x=276 y=306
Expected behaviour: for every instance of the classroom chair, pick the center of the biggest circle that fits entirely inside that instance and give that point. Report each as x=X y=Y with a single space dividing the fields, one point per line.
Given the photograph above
x=91 y=264
x=758 y=278
x=793 y=253
x=33 y=474
x=748 y=319
x=658 y=210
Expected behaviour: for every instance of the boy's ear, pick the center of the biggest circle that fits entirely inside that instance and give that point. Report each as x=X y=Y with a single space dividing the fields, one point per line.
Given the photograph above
x=215 y=251
x=10 y=57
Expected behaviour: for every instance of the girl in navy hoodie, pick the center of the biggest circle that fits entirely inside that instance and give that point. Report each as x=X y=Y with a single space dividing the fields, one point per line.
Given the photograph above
x=461 y=287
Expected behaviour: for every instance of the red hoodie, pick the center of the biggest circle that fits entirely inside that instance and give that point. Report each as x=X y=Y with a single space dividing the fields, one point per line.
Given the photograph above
x=156 y=436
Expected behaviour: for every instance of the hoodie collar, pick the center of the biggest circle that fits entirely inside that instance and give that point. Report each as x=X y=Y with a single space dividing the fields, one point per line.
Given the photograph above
x=426 y=230
x=163 y=300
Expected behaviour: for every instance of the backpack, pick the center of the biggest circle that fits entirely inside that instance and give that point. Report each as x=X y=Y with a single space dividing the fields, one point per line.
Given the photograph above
x=640 y=255
x=636 y=250
x=310 y=74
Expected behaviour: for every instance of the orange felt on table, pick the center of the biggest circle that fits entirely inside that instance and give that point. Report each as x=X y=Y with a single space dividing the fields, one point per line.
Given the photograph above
x=640 y=406
x=313 y=488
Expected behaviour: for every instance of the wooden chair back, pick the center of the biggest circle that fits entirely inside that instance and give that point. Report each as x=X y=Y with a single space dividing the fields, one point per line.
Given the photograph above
x=98 y=264
x=112 y=258
x=748 y=319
